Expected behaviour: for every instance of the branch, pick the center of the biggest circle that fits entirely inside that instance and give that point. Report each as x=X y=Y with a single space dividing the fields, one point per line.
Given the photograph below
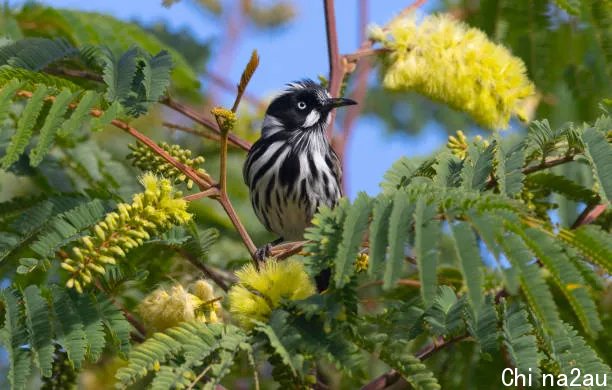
x=553 y=162
x=393 y=377
x=589 y=214
x=358 y=94
x=336 y=71
x=206 y=122
x=220 y=280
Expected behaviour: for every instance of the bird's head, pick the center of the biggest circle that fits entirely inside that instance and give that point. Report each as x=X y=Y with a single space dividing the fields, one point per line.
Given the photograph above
x=304 y=105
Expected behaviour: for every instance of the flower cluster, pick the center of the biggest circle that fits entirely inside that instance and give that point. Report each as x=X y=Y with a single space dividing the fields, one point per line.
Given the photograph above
x=448 y=61
x=163 y=309
x=152 y=211
x=362 y=262
x=259 y=292
x=145 y=159
x=226 y=118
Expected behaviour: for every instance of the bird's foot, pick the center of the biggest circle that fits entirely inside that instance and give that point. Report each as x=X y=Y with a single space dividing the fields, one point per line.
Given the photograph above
x=262 y=253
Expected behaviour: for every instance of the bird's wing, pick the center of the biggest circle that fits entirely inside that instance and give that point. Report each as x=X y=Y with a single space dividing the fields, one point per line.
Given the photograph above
x=336 y=168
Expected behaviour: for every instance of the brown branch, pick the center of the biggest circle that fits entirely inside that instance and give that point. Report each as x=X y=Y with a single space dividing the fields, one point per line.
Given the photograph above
x=209 y=193
x=204 y=121
x=191 y=130
x=589 y=214
x=393 y=377
x=216 y=277
x=548 y=164
x=231 y=213
x=128 y=315
x=80 y=74
x=359 y=93
x=363 y=52
x=336 y=71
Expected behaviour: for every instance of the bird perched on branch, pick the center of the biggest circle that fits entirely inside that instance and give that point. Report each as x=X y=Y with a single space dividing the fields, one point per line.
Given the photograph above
x=292 y=169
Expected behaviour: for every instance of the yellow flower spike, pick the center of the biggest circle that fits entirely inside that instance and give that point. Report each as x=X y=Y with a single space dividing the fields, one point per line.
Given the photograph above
x=449 y=61
x=257 y=293
x=148 y=215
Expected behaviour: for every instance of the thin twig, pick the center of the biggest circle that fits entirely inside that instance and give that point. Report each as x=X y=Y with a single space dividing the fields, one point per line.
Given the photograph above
x=336 y=71
x=589 y=214
x=392 y=377
x=233 y=216
x=209 y=193
x=211 y=274
x=204 y=121
x=247 y=73
x=359 y=93
x=191 y=130
x=142 y=332
x=553 y=162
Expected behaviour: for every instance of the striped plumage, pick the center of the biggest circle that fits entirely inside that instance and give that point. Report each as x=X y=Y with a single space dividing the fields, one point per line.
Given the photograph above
x=292 y=170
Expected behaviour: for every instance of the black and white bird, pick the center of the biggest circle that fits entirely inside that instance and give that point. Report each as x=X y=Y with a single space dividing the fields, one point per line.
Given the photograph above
x=292 y=169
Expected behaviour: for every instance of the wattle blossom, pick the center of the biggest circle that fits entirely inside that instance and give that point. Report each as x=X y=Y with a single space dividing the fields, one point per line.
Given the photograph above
x=453 y=63
x=259 y=292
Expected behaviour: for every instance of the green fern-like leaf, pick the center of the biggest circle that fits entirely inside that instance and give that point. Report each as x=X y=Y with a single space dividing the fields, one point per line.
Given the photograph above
x=30 y=80
x=14 y=338
x=533 y=285
x=571 y=351
x=92 y=325
x=484 y=328
x=278 y=348
x=355 y=225
x=483 y=168
x=35 y=53
x=116 y=324
x=156 y=73
x=39 y=329
x=398 y=356
x=466 y=250
x=566 y=276
x=599 y=153
x=6 y=97
x=592 y=242
x=53 y=121
x=562 y=185
x=65 y=227
x=519 y=340
x=80 y=115
x=509 y=171
x=445 y=316
x=399 y=227
x=111 y=112
x=119 y=73
x=25 y=126
x=68 y=326
x=379 y=233
x=426 y=237
x=156 y=349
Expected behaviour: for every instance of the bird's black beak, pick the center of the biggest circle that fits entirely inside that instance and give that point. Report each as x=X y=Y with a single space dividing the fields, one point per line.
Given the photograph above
x=338 y=102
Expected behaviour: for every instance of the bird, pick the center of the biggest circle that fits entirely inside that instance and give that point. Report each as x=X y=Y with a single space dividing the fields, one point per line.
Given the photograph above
x=292 y=170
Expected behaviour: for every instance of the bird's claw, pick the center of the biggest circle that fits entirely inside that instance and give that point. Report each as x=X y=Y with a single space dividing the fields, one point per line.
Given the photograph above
x=262 y=253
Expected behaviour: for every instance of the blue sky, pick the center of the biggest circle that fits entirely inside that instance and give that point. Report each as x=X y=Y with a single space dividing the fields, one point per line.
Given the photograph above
x=291 y=53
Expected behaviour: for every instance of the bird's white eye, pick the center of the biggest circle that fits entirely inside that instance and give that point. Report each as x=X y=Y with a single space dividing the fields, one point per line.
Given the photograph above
x=301 y=105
